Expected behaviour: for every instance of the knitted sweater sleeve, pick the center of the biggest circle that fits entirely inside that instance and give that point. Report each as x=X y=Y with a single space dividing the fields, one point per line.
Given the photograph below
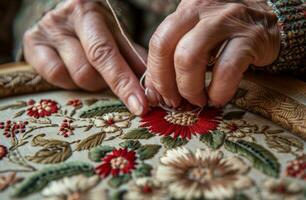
x=292 y=22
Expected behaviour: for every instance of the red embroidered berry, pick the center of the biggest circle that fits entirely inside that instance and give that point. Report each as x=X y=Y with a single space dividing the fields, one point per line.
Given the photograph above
x=297 y=168
x=147 y=189
x=76 y=103
x=65 y=128
x=12 y=128
x=31 y=102
x=3 y=152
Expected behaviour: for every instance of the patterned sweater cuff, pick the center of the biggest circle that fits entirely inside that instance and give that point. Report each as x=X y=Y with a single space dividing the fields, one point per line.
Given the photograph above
x=292 y=23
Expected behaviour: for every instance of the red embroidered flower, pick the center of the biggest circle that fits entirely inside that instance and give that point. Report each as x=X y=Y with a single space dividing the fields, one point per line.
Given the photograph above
x=3 y=151
x=44 y=108
x=119 y=161
x=65 y=128
x=297 y=168
x=12 y=128
x=77 y=103
x=183 y=124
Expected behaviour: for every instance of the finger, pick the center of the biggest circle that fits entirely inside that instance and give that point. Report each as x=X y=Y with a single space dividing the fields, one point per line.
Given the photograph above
x=161 y=74
x=81 y=71
x=228 y=71
x=103 y=54
x=48 y=64
x=191 y=57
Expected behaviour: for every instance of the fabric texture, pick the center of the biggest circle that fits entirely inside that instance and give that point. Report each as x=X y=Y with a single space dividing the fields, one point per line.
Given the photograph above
x=77 y=145
x=292 y=21
x=71 y=145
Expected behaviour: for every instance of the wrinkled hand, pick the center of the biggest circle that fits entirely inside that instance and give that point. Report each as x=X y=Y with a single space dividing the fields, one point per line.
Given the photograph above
x=183 y=44
x=77 y=45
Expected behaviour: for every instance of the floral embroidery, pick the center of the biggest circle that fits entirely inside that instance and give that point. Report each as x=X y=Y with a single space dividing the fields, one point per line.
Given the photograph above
x=3 y=151
x=8 y=180
x=205 y=174
x=119 y=161
x=76 y=103
x=237 y=129
x=65 y=128
x=146 y=188
x=129 y=163
x=282 y=189
x=297 y=168
x=12 y=128
x=113 y=122
x=74 y=188
x=44 y=108
x=181 y=124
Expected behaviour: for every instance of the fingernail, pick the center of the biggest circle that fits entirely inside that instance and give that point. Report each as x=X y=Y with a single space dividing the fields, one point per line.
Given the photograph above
x=168 y=102
x=134 y=105
x=152 y=96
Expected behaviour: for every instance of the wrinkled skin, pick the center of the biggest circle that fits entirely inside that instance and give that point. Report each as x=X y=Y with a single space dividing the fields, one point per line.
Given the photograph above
x=77 y=45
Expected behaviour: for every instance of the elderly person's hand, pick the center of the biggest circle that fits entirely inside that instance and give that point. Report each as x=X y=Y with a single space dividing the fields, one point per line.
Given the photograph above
x=183 y=44
x=76 y=45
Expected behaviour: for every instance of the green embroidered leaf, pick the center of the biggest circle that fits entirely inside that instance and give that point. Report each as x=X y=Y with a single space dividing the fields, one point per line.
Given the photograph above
x=118 y=195
x=130 y=144
x=147 y=151
x=91 y=141
x=171 y=143
x=17 y=105
x=261 y=158
x=54 y=151
x=136 y=134
x=241 y=196
x=18 y=114
x=213 y=140
x=234 y=115
x=143 y=170
x=284 y=143
x=97 y=153
x=37 y=181
x=117 y=181
x=103 y=107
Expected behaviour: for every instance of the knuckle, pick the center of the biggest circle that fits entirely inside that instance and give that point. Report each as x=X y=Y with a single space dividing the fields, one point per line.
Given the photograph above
x=159 y=44
x=80 y=74
x=184 y=61
x=162 y=89
x=83 y=7
x=28 y=36
x=53 y=72
x=236 y=9
x=100 y=52
x=121 y=85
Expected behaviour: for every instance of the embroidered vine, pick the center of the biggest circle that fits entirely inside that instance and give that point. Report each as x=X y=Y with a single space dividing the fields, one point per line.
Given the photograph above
x=141 y=156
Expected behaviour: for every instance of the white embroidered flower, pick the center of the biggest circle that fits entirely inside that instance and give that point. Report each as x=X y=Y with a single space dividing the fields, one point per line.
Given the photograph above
x=205 y=174
x=237 y=129
x=146 y=189
x=77 y=187
x=282 y=189
x=113 y=122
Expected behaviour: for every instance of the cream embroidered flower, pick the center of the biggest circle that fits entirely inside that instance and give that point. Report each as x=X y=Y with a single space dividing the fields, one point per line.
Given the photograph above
x=113 y=122
x=282 y=189
x=205 y=174
x=146 y=189
x=77 y=187
x=237 y=129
